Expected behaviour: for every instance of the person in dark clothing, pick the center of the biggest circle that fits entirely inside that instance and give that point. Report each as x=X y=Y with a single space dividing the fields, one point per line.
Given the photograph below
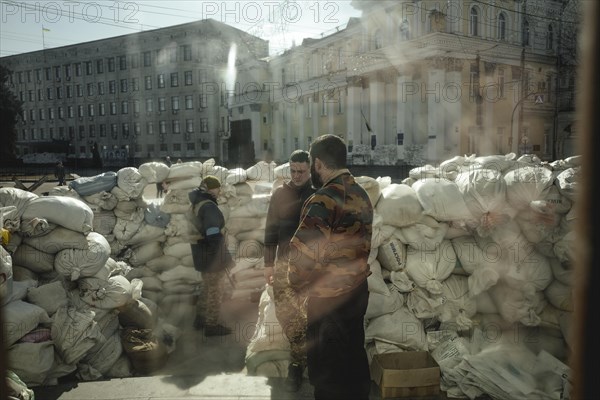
x=283 y=217
x=59 y=173
x=328 y=263
x=210 y=255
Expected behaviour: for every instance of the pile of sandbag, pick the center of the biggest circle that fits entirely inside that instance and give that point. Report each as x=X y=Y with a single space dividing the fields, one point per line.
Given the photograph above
x=62 y=312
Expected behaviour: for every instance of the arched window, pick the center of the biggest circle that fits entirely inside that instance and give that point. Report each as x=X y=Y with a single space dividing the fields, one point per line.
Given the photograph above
x=526 y=33
x=377 y=39
x=550 y=38
x=474 y=21
x=501 y=26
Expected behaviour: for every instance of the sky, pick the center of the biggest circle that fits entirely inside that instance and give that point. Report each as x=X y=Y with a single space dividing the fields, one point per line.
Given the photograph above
x=31 y=25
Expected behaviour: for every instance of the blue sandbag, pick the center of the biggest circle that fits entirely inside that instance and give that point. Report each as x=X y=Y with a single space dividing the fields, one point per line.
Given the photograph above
x=153 y=216
x=86 y=186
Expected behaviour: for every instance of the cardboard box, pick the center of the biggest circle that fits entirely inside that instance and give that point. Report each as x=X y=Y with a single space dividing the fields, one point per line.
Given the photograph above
x=406 y=374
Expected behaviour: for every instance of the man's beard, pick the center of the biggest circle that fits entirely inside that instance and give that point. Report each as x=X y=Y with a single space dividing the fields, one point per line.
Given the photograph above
x=316 y=180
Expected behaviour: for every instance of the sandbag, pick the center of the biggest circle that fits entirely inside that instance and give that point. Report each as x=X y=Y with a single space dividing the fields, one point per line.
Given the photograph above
x=86 y=186
x=58 y=239
x=20 y=318
x=65 y=211
x=50 y=296
x=74 y=333
x=102 y=200
x=131 y=182
x=261 y=171
x=75 y=263
x=111 y=294
x=31 y=361
x=33 y=259
x=400 y=205
x=154 y=171
x=146 y=353
x=442 y=199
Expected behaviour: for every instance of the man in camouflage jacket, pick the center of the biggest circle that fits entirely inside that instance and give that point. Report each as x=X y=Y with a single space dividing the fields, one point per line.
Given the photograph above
x=328 y=263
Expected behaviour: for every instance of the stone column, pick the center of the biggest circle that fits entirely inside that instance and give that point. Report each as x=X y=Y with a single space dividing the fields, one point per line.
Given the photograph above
x=376 y=116
x=353 y=117
x=255 y=128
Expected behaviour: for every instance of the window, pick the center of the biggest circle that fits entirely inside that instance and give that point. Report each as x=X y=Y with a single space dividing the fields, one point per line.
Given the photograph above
x=191 y=146
x=99 y=66
x=502 y=26
x=189 y=125
x=175 y=103
x=51 y=133
x=78 y=69
x=164 y=147
x=161 y=104
x=46 y=70
x=125 y=130
x=69 y=91
x=71 y=132
x=49 y=93
x=136 y=106
x=550 y=38
x=102 y=130
x=101 y=109
x=38 y=76
x=59 y=92
x=188 y=78
x=160 y=79
x=57 y=73
x=112 y=87
x=150 y=128
x=79 y=90
x=187 y=52
x=474 y=22
x=92 y=131
x=70 y=112
x=148 y=82
x=61 y=132
x=309 y=107
x=122 y=63
x=501 y=83
x=176 y=146
x=30 y=95
x=162 y=126
x=80 y=111
x=123 y=85
x=526 y=33
x=124 y=107
x=136 y=129
x=113 y=131
x=173 y=54
x=113 y=108
x=147 y=58
x=324 y=104
x=61 y=112
x=203 y=124
x=68 y=70
x=189 y=102
x=473 y=82
x=88 y=67
x=111 y=64
x=203 y=100
x=90 y=89
x=100 y=88
x=135 y=84
x=174 y=79
x=81 y=132
x=176 y=126
x=42 y=114
x=42 y=135
x=149 y=105
x=51 y=113
x=135 y=60
x=91 y=110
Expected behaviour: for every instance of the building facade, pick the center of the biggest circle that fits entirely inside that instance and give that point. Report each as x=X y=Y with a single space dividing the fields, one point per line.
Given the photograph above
x=408 y=82
x=144 y=95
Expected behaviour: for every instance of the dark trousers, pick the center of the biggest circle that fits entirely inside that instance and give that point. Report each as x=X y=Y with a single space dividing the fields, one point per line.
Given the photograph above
x=338 y=367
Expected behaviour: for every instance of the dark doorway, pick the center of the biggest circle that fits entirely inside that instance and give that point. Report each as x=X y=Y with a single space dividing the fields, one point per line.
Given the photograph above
x=241 y=148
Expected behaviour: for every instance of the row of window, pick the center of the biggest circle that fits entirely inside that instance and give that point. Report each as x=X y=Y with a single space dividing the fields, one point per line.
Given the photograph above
x=103 y=130
x=145 y=59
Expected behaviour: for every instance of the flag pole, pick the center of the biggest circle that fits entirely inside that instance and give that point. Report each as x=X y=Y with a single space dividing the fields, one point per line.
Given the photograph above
x=43 y=38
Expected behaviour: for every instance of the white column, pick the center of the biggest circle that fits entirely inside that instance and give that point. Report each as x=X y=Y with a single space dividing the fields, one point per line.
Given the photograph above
x=255 y=128
x=435 y=114
x=452 y=96
x=403 y=116
x=277 y=132
x=377 y=100
x=353 y=112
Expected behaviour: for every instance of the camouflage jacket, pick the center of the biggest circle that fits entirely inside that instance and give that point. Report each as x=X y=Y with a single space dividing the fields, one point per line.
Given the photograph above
x=329 y=251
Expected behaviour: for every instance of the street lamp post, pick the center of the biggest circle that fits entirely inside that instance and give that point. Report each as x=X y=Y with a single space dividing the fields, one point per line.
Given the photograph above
x=512 y=118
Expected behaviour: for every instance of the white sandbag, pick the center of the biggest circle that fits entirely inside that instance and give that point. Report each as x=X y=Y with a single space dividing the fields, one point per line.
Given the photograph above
x=428 y=171
x=104 y=200
x=120 y=194
x=129 y=210
x=185 y=170
x=19 y=290
x=380 y=304
x=187 y=261
x=375 y=280
x=428 y=267
x=510 y=239
x=256 y=207
x=50 y=296
x=401 y=281
x=400 y=205
x=111 y=294
x=423 y=304
x=426 y=233
x=560 y=295
x=371 y=186
x=268 y=334
x=514 y=306
x=151 y=283
x=442 y=200
x=17 y=198
x=459 y=306
x=33 y=259
x=154 y=171
x=179 y=287
x=20 y=318
x=496 y=162
x=561 y=272
x=178 y=250
x=176 y=201
x=532 y=274
x=537 y=226
x=58 y=239
x=98 y=361
x=392 y=255
x=124 y=230
x=162 y=263
x=65 y=211
x=33 y=227
x=283 y=172
x=566 y=181
x=564 y=249
x=74 y=333
x=258 y=235
x=401 y=328
x=236 y=225
x=139 y=272
x=181 y=273
x=131 y=182
x=181 y=225
x=248 y=274
x=146 y=233
x=526 y=184
x=187 y=184
x=236 y=175
x=145 y=252
x=261 y=171
x=31 y=361
x=104 y=222
x=75 y=263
